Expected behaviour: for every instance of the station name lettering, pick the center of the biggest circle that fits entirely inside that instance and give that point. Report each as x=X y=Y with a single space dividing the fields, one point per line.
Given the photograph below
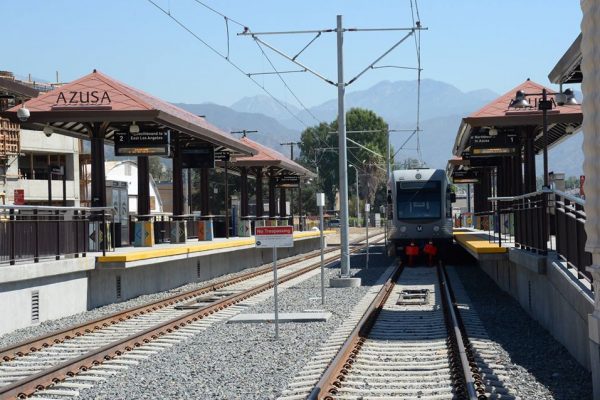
x=93 y=97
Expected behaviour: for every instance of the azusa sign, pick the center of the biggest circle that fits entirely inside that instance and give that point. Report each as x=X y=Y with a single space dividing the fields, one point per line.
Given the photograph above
x=74 y=97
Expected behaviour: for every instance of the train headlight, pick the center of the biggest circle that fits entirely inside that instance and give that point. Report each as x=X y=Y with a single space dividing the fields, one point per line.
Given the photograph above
x=436 y=228
x=403 y=229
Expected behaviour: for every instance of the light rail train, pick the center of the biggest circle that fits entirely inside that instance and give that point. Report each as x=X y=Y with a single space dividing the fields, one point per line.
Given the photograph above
x=420 y=208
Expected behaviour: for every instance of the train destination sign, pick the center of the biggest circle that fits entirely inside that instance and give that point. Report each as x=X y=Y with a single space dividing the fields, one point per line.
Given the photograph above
x=274 y=236
x=142 y=144
x=287 y=182
x=198 y=157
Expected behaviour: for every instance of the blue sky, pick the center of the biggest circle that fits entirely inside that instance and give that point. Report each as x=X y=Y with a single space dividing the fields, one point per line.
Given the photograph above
x=472 y=44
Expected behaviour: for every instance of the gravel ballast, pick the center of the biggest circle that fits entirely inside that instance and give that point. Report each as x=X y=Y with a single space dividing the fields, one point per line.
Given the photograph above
x=539 y=367
x=242 y=361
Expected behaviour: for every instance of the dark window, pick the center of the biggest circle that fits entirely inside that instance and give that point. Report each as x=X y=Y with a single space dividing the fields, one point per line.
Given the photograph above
x=418 y=200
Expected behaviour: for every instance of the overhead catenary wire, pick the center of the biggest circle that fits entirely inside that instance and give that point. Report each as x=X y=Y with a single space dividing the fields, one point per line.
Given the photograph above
x=226 y=57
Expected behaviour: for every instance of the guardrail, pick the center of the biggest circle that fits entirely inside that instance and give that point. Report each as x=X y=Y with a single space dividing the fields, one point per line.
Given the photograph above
x=547 y=220
x=32 y=233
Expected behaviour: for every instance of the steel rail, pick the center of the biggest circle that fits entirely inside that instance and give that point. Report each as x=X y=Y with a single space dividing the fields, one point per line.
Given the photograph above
x=455 y=327
x=44 y=341
x=338 y=368
x=473 y=384
x=27 y=386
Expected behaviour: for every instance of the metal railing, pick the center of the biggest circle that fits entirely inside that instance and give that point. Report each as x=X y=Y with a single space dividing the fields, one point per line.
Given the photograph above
x=547 y=220
x=33 y=233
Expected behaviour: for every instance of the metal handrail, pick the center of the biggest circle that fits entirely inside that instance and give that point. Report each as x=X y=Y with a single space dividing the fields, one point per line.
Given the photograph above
x=53 y=208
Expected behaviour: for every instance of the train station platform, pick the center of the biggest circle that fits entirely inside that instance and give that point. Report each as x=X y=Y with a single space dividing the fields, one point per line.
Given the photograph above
x=31 y=293
x=480 y=244
x=133 y=256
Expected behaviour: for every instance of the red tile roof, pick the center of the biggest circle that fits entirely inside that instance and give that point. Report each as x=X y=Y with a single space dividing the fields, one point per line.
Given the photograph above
x=123 y=99
x=267 y=157
x=497 y=112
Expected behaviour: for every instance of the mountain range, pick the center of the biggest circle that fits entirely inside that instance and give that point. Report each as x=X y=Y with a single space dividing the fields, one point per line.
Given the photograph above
x=442 y=106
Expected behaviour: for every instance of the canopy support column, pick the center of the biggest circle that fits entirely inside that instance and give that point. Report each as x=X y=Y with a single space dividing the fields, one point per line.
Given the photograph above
x=244 y=192
x=282 y=201
x=204 y=195
x=177 y=178
x=529 y=183
x=300 y=205
x=97 y=132
x=272 y=201
x=260 y=209
x=143 y=186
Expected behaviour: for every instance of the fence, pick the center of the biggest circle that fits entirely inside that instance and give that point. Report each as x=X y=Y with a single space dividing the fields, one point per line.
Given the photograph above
x=31 y=233
x=542 y=221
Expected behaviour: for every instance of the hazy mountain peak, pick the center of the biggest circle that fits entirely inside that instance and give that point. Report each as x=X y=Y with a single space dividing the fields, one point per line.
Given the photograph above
x=263 y=104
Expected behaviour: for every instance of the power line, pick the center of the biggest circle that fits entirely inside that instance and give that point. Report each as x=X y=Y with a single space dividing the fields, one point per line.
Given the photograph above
x=226 y=57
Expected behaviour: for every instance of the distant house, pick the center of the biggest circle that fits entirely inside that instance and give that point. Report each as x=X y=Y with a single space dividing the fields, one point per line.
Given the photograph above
x=126 y=171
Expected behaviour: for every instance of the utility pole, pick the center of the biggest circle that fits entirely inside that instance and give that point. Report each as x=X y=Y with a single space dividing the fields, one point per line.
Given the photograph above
x=291 y=144
x=341 y=86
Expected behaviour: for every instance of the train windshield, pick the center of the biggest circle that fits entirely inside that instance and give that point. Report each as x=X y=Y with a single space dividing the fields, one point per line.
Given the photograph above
x=418 y=200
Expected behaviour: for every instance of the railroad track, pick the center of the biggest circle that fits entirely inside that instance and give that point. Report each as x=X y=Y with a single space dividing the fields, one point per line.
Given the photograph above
x=408 y=344
x=93 y=351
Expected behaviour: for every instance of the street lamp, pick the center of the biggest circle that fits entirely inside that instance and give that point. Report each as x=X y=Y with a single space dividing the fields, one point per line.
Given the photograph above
x=565 y=98
x=357 y=198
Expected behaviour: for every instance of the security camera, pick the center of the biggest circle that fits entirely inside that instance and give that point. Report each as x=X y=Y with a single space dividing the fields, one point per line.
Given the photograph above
x=23 y=114
x=48 y=131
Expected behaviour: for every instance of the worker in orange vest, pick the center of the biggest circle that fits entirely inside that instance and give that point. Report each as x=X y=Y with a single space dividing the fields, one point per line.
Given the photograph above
x=431 y=252
x=412 y=251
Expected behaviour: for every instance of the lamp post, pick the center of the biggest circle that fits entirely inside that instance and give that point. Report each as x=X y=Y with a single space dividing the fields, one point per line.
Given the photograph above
x=357 y=197
x=562 y=98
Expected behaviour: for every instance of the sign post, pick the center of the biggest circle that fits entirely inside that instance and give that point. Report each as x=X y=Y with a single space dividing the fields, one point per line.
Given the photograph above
x=367 y=212
x=275 y=236
x=321 y=204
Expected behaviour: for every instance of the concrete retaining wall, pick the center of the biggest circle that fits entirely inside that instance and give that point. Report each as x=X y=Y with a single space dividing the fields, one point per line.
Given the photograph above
x=550 y=293
x=69 y=286
x=156 y=277
x=58 y=296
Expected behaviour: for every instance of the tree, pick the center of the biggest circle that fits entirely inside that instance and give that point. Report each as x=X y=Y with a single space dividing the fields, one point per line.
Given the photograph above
x=320 y=150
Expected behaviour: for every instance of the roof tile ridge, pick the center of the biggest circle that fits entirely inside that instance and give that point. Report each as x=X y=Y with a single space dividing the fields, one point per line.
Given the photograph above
x=123 y=88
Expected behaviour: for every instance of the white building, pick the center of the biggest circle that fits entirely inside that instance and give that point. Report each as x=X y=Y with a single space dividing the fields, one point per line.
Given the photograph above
x=28 y=170
x=126 y=171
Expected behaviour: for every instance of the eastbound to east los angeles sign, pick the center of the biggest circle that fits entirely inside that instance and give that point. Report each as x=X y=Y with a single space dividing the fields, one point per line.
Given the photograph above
x=142 y=144
x=274 y=236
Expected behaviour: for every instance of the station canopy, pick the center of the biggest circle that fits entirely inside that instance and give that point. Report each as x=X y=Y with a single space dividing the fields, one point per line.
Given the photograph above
x=568 y=68
x=98 y=98
x=266 y=157
x=500 y=117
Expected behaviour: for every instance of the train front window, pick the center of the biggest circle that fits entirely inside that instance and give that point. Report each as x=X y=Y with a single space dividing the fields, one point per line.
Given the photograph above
x=418 y=200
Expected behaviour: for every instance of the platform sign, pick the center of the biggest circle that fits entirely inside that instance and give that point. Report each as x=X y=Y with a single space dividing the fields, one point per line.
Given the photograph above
x=287 y=182
x=198 y=157
x=222 y=155
x=19 y=197
x=142 y=144
x=274 y=236
x=504 y=143
x=466 y=176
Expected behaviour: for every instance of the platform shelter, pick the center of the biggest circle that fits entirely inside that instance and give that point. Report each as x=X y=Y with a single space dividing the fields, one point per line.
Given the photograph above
x=495 y=147
x=279 y=171
x=103 y=110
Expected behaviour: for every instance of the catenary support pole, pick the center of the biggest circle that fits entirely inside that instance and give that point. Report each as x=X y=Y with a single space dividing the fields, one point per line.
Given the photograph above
x=343 y=162
x=321 y=204
x=275 y=293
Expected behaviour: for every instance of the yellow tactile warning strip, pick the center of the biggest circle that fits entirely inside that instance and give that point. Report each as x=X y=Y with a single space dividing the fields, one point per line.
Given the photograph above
x=191 y=248
x=478 y=243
